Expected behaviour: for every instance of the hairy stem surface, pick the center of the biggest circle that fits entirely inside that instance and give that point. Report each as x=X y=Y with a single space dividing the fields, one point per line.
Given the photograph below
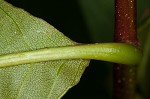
x=125 y=31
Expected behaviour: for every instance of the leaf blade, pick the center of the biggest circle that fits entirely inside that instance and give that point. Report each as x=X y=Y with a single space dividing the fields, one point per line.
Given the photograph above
x=22 y=32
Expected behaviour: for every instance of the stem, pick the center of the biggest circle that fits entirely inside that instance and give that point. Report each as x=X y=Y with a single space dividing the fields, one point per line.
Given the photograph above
x=125 y=22
x=125 y=31
x=112 y=52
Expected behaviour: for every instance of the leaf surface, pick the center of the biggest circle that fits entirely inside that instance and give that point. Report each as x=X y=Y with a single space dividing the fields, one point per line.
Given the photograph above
x=19 y=32
x=99 y=16
x=144 y=68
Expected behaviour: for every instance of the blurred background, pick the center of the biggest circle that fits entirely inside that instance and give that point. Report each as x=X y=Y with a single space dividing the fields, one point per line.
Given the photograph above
x=86 y=21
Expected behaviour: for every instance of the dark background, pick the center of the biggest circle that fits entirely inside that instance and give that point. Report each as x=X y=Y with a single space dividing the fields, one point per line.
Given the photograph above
x=84 y=21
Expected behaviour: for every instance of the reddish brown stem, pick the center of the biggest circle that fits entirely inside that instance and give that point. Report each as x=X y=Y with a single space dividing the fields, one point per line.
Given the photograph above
x=125 y=21
x=125 y=31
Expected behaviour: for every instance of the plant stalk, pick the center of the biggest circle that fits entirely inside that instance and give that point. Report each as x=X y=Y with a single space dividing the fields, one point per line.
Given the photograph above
x=105 y=51
x=125 y=31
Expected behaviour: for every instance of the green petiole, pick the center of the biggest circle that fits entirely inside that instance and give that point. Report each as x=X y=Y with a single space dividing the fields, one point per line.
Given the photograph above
x=112 y=52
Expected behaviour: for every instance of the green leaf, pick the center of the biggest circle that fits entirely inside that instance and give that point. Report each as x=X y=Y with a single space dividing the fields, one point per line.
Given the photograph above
x=99 y=17
x=143 y=31
x=144 y=68
x=20 y=32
